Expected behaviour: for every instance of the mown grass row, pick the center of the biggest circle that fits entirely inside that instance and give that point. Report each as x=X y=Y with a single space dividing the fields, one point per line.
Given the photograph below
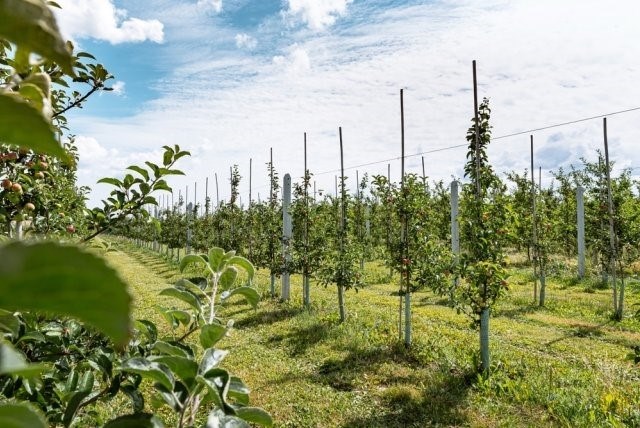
x=563 y=365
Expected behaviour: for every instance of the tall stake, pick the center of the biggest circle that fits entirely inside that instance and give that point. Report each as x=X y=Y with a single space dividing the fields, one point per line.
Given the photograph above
x=217 y=192
x=389 y=242
x=195 y=199
x=617 y=300
x=343 y=228
x=424 y=176
x=306 y=298
x=406 y=260
x=534 y=229
x=286 y=235
x=581 y=243
x=249 y=211
x=542 y=256
x=484 y=315
x=271 y=206
x=455 y=234
x=206 y=197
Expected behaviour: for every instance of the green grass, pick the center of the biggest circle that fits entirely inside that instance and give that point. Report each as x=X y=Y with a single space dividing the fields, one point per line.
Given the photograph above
x=563 y=365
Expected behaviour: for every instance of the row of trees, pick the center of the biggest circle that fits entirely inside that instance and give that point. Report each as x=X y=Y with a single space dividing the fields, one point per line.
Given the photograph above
x=410 y=226
x=373 y=216
x=62 y=350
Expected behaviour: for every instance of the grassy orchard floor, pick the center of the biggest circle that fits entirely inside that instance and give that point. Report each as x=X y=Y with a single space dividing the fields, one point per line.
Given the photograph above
x=564 y=365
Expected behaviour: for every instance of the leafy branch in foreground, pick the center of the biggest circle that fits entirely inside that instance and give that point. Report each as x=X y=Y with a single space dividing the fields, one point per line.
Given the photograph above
x=131 y=193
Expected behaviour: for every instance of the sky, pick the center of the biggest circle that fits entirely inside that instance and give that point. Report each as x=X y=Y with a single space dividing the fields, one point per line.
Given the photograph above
x=230 y=79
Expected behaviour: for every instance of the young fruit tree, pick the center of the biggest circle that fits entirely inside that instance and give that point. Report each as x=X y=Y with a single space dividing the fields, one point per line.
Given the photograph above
x=484 y=211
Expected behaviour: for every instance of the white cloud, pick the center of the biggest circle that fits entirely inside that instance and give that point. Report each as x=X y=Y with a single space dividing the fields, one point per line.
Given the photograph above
x=318 y=14
x=118 y=88
x=244 y=40
x=215 y=5
x=537 y=67
x=296 y=62
x=98 y=161
x=100 y=19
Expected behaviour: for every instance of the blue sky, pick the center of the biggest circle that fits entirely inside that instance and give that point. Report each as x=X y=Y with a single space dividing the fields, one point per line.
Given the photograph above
x=228 y=79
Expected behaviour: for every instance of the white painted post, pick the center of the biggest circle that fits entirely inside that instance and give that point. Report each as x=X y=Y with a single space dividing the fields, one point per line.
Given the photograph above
x=581 y=246
x=188 y=215
x=286 y=234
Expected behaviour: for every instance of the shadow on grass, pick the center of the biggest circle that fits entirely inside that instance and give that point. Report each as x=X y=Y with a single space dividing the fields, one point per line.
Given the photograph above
x=420 y=397
x=518 y=311
x=300 y=339
x=434 y=301
x=267 y=317
x=584 y=331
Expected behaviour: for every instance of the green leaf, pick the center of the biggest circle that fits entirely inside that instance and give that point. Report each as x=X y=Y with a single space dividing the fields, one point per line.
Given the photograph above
x=255 y=415
x=150 y=370
x=139 y=420
x=13 y=362
x=161 y=185
x=143 y=172
x=185 y=296
x=65 y=280
x=72 y=407
x=248 y=293
x=190 y=286
x=24 y=126
x=238 y=390
x=110 y=180
x=147 y=328
x=166 y=171
x=210 y=334
x=20 y=415
x=244 y=264
x=210 y=360
x=33 y=95
x=181 y=154
x=182 y=317
x=214 y=391
x=216 y=256
x=228 y=277
x=31 y=24
x=167 y=158
x=192 y=258
x=34 y=336
x=84 y=54
x=185 y=368
x=86 y=384
x=9 y=323
x=169 y=349
x=218 y=419
x=136 y=397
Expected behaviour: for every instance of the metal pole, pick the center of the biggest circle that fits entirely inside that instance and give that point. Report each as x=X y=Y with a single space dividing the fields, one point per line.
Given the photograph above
x=617 y=304
x=581 y=243
x=306 y=298
x=455 y=232
x=217 y=192
x=405 y=237
x=343 y=228
x=286 y=235
x=534 y=228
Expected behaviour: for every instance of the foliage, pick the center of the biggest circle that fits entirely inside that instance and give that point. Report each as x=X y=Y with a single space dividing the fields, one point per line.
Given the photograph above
x=484 y=214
